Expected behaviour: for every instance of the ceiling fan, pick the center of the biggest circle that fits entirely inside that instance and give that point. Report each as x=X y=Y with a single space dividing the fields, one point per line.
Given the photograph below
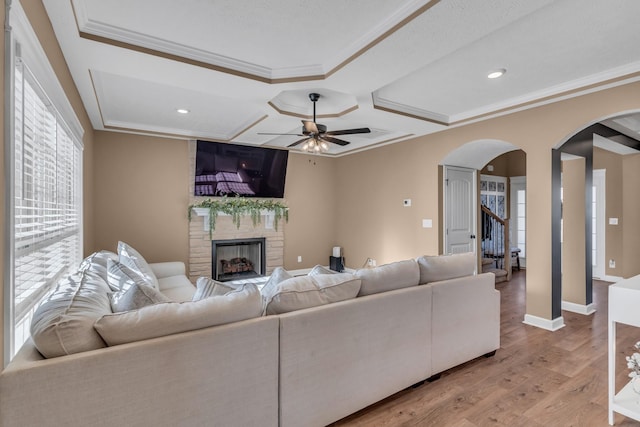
x=316 y=135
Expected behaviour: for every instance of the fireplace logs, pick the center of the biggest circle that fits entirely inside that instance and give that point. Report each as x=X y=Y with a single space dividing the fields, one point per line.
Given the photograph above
x=236 y=265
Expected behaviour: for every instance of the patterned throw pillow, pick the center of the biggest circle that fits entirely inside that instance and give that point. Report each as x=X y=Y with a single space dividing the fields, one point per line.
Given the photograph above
x=135 y=297
x=120 y=277
x=132 y=259
x=133 y=290
x=207 y=287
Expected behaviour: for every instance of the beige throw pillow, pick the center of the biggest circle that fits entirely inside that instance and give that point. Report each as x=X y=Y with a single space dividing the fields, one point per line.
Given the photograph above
x=444 y=267
x=175 y=317
x=388 y=277
x=302 y=292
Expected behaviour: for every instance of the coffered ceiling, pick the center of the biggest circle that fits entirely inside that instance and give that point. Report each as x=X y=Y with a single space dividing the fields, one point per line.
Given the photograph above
x=402 y=68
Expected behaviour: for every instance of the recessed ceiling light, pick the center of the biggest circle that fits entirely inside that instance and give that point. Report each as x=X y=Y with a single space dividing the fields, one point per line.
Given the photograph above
x=496 y=73
x=182 y=111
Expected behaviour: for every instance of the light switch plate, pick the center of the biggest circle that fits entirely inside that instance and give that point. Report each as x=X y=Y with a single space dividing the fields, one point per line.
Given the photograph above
x=613 y=221
x=427 y=223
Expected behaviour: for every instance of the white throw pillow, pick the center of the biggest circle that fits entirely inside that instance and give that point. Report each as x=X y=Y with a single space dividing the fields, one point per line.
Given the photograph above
x=97 y=262
x=63 y=323
x=132 y=259
x=319 y=269
x=444 y=267
x=207 y=287
x=175 y=317
x=302 y=292
x=388 y=277
x=120 y=277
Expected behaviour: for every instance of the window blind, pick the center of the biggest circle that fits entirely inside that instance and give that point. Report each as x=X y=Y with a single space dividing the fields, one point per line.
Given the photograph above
x=47 y=205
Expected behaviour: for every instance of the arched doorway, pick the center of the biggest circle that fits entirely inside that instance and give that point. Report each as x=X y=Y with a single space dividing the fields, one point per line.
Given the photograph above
x=468 y=167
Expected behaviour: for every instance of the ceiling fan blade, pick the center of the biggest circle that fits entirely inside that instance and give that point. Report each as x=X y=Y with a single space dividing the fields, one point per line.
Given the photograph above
x=297 y=142
x=269 y=133
x=349 y=131
x=335 y=140
x=309 y=127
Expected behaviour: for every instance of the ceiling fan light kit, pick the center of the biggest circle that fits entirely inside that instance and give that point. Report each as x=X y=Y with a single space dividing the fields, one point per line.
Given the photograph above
x=316 y=135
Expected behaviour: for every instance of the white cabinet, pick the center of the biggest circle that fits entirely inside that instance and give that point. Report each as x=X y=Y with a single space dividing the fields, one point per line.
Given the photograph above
x=624 y=304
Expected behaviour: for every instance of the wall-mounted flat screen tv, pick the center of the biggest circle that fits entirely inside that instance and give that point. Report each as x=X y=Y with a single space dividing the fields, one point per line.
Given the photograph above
x=239 y=170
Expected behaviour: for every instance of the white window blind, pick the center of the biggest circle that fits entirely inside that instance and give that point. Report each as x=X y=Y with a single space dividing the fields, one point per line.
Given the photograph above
x=47 y=204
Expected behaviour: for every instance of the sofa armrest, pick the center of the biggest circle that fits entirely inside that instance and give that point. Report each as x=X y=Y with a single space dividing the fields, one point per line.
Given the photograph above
x=223 y=375
x=168 y=269
x=465 y=320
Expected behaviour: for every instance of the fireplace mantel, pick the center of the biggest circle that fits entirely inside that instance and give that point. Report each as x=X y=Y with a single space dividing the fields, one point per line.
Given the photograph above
x=269 y=217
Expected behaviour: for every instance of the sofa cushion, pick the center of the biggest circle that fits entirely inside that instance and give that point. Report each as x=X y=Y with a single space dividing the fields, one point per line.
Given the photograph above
x=444 y=267
x=179 y=290
x=397 y=275
x=175 y=317
x=132 y=259
x=302 y=292
x=63 y=323
x=320 y=269
x=97 y=262
x=206 y=287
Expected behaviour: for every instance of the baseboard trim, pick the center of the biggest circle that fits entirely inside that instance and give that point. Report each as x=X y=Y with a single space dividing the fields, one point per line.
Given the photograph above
x=579 y=308
x=539 y=322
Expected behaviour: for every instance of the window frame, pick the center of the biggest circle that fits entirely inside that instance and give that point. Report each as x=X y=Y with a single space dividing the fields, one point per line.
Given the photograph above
x=21 y=42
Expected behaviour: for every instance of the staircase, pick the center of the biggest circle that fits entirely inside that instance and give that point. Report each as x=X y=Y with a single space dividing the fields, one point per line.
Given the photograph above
x=494 y=245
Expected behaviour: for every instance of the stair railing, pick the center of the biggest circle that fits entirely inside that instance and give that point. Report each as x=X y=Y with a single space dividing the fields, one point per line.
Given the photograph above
x=495 y=240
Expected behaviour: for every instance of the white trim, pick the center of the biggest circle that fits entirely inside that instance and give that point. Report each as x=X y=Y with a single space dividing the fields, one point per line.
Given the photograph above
x=600 y=183
x=613 y=279
x=579 y=308
x=539 y=322
x=9 y=188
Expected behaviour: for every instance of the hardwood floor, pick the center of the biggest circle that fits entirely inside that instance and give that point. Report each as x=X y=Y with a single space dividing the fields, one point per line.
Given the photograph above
x=537 y=378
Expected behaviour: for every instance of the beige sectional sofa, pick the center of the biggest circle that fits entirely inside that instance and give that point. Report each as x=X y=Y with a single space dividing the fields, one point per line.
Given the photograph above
x=309 y=366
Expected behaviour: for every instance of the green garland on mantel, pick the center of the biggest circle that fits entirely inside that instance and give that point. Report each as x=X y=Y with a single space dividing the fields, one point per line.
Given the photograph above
x=237 y=207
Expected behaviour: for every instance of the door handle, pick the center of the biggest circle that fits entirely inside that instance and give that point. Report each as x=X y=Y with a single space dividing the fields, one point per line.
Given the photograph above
x=473 y=236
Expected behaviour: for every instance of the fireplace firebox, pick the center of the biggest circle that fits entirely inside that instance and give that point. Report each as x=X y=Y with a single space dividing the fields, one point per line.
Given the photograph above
x=238 y=259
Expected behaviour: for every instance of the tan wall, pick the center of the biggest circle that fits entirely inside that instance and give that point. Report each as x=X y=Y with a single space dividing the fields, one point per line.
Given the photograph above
x=142 y=185
x=310 y=194
x=612 y=163
x=513 y=163
x=40 y=22
x=573 y=244
x=373 y=223
x=630 y=219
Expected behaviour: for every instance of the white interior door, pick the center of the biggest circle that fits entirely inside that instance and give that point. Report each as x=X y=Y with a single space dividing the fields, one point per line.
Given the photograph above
x=460 y=210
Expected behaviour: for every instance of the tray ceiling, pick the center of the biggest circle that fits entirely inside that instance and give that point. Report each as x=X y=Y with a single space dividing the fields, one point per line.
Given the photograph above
x=403 y=68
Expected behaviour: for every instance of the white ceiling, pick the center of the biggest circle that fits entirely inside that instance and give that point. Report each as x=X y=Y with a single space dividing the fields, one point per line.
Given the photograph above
x=401 y=68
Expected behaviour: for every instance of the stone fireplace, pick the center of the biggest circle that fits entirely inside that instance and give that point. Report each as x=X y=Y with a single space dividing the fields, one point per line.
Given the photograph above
x=200 y=240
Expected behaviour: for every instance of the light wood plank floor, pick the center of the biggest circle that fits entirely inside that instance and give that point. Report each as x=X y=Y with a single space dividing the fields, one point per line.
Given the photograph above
x=537 y=378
